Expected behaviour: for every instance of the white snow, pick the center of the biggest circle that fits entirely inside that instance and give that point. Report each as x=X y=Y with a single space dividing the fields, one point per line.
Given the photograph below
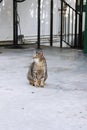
x=60 y=105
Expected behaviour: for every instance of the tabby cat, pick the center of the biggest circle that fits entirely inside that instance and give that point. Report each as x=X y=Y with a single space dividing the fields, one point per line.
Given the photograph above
x=37 y=73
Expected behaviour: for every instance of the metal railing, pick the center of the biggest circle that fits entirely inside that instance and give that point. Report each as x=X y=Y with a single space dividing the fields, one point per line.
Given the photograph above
x=71 y=26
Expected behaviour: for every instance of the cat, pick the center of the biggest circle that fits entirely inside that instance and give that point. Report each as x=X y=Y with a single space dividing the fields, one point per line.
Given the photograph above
x=37 y=73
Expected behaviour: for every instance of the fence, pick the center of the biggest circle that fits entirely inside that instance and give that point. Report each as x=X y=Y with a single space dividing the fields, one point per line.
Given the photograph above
x=71 y=25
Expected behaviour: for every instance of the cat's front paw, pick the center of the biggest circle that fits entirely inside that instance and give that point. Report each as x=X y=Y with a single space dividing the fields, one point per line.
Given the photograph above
x=32 y=83
x=41 y=83
x=38 y=84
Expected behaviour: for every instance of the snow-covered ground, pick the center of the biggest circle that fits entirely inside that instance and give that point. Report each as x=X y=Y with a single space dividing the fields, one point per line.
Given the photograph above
x=60 y=105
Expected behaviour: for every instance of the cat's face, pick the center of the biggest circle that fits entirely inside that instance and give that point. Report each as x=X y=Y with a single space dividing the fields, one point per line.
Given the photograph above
x=36 y=58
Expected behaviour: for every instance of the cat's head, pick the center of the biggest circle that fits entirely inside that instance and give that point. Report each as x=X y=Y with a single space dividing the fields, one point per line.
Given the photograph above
x=38 y=56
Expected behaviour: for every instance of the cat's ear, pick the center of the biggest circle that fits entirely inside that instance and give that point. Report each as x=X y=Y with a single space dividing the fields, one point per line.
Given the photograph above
x=40 y=52
x=34 y=53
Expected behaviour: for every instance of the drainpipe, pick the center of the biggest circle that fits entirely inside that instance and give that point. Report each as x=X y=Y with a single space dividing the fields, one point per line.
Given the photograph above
x=85 y=33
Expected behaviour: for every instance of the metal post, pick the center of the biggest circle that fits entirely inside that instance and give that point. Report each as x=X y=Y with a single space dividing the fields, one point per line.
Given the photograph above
x=80 y=24
x=38 y=37
x=85 y=34
x=69 y=25
x=51 y=23
x=61 y=23
x=72 y=27
x=15 y=24
x=75 y=44
x=0 y=1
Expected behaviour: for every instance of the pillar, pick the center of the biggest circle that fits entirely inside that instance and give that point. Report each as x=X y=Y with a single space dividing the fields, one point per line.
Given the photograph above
x=85 y=33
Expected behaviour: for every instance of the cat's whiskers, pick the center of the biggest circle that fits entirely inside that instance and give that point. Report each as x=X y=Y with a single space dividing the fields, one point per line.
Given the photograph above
x=36 y=60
